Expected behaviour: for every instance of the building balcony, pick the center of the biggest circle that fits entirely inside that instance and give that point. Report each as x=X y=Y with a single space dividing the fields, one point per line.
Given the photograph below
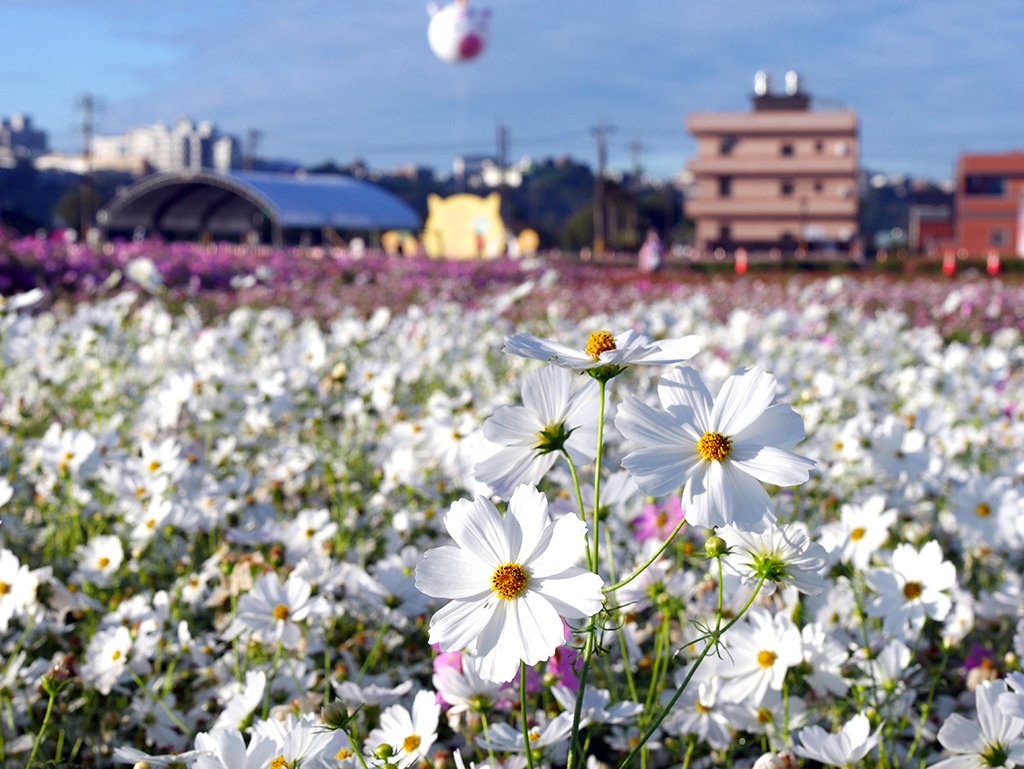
x=739 y=166
x=771 y=208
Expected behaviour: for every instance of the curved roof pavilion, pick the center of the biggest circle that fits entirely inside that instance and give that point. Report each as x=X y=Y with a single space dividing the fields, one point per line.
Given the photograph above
x=240 y=202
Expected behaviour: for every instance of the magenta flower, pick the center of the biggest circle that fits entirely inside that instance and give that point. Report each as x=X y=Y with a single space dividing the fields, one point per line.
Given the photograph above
x=658 y=520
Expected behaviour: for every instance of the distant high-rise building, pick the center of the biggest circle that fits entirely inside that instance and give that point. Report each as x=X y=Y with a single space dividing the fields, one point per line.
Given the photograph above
x=780 y=176
x=186 y=146
x=18 y=137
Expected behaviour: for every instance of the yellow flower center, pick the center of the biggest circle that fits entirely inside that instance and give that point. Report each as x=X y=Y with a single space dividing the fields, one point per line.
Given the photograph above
x=912 y=590
x=984 y=511
x=765 y=716
x=279 y=763
x=281 y=612
x=702 y=708
x=310 y=533
x=509 y=580
x=410 y=743
x=599 y=342
x=154 y=466
x=343 y=754
x=858 y=534
x=116 y=655
x=104 y=562
x=4 y=588
x=766 y=659
x=714 y=447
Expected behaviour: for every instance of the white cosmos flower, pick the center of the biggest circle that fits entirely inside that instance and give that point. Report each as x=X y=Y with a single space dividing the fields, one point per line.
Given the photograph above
x=411 y=734
x=761 y=649
x=914 y=588
x=604 y=349
x=780 y=555
x=844 y=748
x=510 y=579
x=716 y=449
x=993 y=741
x=552 y=418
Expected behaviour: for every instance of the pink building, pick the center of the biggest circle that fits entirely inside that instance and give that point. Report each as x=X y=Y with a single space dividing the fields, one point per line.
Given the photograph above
x=781 y=176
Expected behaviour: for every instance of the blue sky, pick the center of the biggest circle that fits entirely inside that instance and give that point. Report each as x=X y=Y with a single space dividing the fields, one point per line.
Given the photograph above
x=337 y=78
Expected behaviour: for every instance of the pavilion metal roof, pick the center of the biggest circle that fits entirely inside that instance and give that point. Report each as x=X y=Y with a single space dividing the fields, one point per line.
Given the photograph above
x=235 y=203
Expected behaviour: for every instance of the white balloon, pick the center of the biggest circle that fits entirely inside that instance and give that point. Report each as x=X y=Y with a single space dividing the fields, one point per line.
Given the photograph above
x=457 y=32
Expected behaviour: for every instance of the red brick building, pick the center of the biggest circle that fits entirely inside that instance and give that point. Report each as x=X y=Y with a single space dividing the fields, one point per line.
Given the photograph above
x=989 y=192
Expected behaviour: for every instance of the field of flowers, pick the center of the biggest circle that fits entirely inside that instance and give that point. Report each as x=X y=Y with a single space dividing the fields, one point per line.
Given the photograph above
x=289 y=510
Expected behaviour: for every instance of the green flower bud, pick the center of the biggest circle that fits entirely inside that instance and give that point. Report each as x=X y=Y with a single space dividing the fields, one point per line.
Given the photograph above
x=716 y=546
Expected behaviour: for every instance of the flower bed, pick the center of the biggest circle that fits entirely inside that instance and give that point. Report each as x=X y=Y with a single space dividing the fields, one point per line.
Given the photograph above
x=243 y=535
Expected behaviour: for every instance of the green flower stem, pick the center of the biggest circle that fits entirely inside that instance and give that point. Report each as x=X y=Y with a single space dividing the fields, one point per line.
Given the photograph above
x=356 y=750
x=17 y=646
x=374 y=651
x=648 y=562
x=713 y=639
x=42 y=729
x=159 y=701
x=597 y=472
x=487 y=736
x=691 y=742
x=579 y=498
x=927 y=704
x=522 y=712
x=273 y=672
x=574 y=735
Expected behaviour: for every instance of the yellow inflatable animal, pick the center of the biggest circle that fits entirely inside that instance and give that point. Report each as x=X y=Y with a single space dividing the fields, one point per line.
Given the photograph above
x=464 y=227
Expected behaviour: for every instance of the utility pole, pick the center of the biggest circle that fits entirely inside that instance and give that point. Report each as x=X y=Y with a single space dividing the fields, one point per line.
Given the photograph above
x=87 y=104
x=503 y=146
x=252 y=139
x=633 y=223
x=600 y=133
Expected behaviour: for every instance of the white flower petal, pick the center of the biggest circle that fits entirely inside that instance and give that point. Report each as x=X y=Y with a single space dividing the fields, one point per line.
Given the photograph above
x=560 y=547
x=961 y=735
x=451 y=572
x=771 y=465
x=778 y=426
x=744 y=397
x=575 y=593
x=648 y=426
x=512 y=425
x=536 y=348
x=663 y=469
x=459 y=624
x=546 y=393
x=478 y=527
x=540 y=627
x=513 y=466
x=526 y=521
x=685 y=396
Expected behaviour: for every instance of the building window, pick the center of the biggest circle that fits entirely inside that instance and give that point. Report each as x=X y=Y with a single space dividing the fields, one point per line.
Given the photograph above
x=819 y=146
x=787 y=189
x=724 y=186
x=787 y=149
x=727 y=144
x=998 y=237
x=725 y=233
x=984 y=184
x=818 y=186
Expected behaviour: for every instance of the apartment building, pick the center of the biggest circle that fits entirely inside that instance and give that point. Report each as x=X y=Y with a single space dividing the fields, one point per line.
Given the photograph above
x=780 y=176
x=184 y=146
